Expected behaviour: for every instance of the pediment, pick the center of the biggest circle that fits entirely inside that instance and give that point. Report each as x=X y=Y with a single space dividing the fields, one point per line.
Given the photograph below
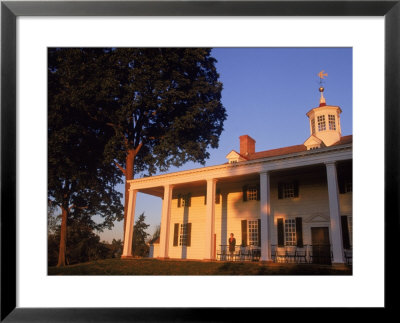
x=234 y=156
x=312 y=140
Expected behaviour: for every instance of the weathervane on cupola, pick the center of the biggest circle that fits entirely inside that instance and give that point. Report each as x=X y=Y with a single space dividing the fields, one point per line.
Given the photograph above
x=321 y=75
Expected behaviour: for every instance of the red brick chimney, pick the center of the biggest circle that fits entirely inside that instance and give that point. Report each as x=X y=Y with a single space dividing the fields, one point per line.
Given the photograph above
x=247 y=145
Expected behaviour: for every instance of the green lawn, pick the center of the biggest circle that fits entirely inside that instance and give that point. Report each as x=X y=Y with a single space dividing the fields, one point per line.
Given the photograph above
x=178 y=267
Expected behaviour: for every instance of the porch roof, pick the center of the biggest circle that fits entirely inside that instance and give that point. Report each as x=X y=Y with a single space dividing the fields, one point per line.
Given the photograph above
x=281 y=158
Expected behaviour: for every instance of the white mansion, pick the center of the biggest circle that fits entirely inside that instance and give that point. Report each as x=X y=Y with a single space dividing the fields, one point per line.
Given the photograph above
x=292 y=197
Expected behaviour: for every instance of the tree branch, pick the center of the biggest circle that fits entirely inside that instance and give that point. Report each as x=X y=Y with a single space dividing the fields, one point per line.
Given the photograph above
x=111 y=125
x=138 y=148
x=120 y=168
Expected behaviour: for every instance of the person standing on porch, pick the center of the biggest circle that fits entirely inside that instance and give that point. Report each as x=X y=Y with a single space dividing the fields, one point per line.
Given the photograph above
x=232 y=245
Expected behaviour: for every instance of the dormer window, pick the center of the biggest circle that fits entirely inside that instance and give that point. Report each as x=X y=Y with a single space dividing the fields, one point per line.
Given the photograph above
x=234 y=157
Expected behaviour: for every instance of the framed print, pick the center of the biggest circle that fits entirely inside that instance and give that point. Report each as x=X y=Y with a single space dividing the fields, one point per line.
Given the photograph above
x=27 y=294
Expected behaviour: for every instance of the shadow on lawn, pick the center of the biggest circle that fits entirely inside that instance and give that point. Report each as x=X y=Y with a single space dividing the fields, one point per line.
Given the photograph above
x=230 y=268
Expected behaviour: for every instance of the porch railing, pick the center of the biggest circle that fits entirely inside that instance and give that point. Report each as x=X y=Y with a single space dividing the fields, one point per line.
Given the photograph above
x=317 y=254
x=241 y=253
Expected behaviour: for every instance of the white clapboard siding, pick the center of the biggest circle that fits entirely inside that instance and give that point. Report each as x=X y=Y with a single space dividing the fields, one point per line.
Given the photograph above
x=196 y=215
x=312 y=206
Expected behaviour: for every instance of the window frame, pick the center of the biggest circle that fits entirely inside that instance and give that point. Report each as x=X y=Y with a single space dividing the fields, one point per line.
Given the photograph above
x=321 y=123
x=252 y=193
x=331 y=122
x=290 y=224
x=313 y=126
x=288 y=190
x=253 y=231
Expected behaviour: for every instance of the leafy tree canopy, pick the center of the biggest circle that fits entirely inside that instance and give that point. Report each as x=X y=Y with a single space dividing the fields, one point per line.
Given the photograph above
x=79 y=177
x=165 y=103
x=81 y=182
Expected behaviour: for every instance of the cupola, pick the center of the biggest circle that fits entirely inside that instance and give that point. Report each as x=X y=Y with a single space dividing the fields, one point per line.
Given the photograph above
x=324 y=123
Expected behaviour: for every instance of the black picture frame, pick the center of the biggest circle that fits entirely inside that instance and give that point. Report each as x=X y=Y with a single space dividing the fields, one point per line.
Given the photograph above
x=10 y=10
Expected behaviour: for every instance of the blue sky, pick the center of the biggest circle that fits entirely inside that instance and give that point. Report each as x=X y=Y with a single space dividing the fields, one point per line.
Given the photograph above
x=267 y=93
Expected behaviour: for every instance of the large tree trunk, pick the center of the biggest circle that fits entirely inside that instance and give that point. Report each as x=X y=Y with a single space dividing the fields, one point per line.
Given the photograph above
x=129 y=173
x=63 y=238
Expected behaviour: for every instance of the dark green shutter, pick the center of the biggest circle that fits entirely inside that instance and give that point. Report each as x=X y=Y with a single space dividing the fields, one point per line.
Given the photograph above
x=176 y=232
x=345 y=232
x=189 y=199
x=245 y=193
x=342 y=185
x=217 y=197
x=258 y=192
x=299 y=232
x=179 y=200
x=280 y=190
x=281 y=237
x=244 y=232
x=205 y=199
x=296 y=188
x=188 y=234
x=259 y=232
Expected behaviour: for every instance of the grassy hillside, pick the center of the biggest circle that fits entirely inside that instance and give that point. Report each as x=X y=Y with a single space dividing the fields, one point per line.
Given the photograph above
x=179 y=267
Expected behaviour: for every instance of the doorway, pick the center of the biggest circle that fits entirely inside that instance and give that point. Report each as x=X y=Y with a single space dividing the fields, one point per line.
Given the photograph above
x=321 y=247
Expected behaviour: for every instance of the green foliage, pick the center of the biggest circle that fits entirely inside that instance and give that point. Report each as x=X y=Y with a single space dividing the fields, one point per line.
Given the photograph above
x=79 y=178
x=116 y=248
x=162 y=103
x=167 y=99
x=83 y=244
x=139 y=246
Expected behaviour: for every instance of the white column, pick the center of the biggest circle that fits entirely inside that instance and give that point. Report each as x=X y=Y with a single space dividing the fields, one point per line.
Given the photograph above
x=128 y=235
x=334 y=212
x=265 y=215
x=210 y=219
x=165 y=221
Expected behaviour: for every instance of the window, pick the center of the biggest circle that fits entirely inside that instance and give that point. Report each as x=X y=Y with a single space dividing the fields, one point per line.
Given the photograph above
x=321 y=123
x=331 y=120
x=183 y=234
x=252 y=194
x=313 y=126
x=348 y=186
x=253 y=232
x=290 y=232
x=288 y=190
